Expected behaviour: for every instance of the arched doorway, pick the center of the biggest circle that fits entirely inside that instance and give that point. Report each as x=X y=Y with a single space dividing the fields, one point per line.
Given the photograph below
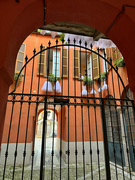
x=50 y=119
x=51 y=131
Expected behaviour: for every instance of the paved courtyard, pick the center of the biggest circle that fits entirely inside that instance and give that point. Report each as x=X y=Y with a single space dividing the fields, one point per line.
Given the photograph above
x=64 y=168
x=64 y=173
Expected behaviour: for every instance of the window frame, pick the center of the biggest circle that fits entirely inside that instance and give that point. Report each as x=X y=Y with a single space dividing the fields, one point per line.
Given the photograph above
x=60 y=62
x=53 y=70
x=91 y=74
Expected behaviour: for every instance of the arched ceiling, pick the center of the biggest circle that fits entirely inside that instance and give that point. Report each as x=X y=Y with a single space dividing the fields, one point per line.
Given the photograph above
x=128 y=5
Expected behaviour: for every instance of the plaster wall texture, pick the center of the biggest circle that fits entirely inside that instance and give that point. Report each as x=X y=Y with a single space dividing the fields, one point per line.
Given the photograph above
x=72 y=157
x=19 y=159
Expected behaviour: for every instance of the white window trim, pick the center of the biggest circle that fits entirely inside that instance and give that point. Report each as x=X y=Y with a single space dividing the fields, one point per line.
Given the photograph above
x=90 y=68
x=58 y=61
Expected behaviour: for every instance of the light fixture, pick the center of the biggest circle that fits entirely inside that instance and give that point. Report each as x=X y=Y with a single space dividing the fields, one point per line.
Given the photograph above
x=47 y=86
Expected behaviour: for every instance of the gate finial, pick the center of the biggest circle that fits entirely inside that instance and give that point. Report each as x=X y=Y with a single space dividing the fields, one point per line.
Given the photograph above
x=80 y=42
x=91 y=46
x=34 y=51
x=74 y=41
x=56 y=41
x=68 y=40
x=85 y=43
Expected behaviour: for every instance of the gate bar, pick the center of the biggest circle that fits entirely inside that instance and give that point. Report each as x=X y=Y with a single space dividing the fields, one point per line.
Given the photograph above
x=42 y=164
x=95 y=117
x=52 y=153
x=111 y=120
x=106 y=151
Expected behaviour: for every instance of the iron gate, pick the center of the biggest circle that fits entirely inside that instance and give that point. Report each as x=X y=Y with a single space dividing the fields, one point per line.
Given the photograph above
x=80 y=148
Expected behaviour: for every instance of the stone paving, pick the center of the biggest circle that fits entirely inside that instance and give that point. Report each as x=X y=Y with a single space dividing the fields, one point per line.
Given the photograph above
x=64 y=168
x=64 y=173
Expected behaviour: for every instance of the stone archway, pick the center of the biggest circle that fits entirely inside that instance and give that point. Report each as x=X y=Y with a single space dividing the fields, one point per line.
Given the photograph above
x=23 y=19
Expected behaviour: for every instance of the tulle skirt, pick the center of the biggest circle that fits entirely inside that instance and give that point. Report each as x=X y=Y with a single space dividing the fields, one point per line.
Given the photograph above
x=84 y=91
x=58 y=87
x=47 y=86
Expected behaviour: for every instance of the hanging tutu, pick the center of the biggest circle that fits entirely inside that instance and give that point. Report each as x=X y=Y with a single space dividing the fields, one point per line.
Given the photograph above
x=104 y=86
x=99 y=89
x=47 y=85
x=84 y=91
x=93 y=91
x=58 y=87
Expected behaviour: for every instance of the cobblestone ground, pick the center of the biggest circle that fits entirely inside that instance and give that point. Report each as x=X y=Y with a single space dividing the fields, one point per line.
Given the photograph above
x=64 y=169
x=64 y=173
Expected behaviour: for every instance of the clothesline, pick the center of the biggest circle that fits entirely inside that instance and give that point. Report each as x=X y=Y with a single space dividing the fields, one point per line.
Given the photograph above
x=101 y=43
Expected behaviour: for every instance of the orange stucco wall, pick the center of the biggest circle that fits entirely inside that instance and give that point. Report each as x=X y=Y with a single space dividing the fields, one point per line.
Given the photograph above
x=78 y=133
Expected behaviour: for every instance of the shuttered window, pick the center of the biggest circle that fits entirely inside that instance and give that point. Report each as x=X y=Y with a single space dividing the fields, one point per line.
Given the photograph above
x=53 y=60
x=64 y=63
x=95 y=68
x=20 y=58
x=41 y=59
x=76 y=63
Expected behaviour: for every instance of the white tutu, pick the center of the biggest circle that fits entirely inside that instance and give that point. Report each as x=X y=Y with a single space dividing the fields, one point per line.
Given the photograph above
x=104 y=86
x=93 y=91
x=84 y=91
x=99 y=89
x=47 y=85
x=58 y=87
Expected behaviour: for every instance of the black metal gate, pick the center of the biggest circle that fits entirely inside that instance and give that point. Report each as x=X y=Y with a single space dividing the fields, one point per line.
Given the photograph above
x=91 y=138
